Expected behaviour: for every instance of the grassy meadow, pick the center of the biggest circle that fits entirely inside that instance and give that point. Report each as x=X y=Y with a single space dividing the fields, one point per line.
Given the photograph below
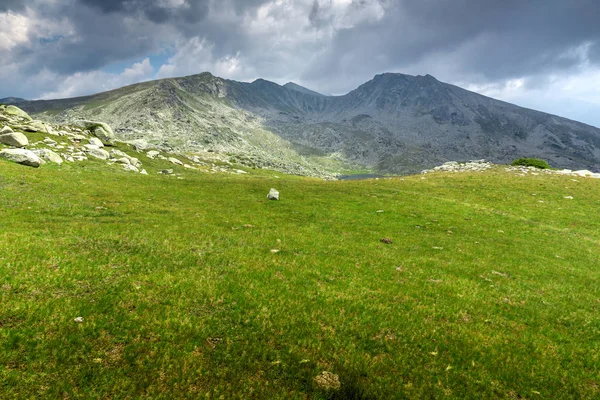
x=196 y=286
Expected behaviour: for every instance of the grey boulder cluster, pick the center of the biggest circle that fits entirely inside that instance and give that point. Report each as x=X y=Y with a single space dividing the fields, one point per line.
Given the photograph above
x=523 y=171
x=455 y=166
x=84 y=140
x=78 y=141
x=482 y=165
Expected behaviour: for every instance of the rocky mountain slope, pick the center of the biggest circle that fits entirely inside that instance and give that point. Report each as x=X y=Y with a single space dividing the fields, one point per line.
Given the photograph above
x=394 y=123
x=34 y=143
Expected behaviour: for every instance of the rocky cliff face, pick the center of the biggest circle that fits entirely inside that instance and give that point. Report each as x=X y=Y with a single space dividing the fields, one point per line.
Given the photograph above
x=394 y=123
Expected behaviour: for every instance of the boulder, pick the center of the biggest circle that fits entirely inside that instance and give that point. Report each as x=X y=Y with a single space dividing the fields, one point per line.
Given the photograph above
x=118 y=154
x=175 y=161
x=135 y=162
x=123 y=160
x=273 y=194
x=166 y=172
x=5 y=129
x=98 y=153
x=152 y=154
x=128 y=167
x=14 y=139
x=21 y=156
x=48 y=155
x=99 y=129
x=96 y=142
x=17 y=112
x=140 y=144
x=38 y=126
x=583 y=173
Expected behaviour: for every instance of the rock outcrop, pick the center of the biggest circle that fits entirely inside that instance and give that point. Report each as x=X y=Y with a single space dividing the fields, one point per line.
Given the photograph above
x=14 y=139
x=17 y=112
x=48 y=155
x=100 y=130
x=21 y=156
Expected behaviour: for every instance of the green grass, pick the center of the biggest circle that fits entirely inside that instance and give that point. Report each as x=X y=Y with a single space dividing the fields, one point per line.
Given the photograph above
x=485 y=292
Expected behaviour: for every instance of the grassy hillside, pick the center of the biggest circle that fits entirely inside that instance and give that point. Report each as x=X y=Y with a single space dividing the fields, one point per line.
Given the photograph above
x=202 y=288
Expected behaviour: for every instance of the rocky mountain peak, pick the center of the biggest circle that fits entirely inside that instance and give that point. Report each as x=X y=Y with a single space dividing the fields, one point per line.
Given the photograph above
x=301 y=89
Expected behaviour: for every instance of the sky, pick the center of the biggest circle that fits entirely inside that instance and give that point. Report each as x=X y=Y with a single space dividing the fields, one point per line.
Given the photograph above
x=541 y=54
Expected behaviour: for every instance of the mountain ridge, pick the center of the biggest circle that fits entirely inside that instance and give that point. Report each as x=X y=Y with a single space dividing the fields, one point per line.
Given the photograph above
x=394 y=123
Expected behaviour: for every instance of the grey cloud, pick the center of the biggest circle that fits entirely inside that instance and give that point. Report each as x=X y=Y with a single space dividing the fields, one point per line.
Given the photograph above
x=314 y=16
x=191 y=11
x=488 y=38
x=12 y=5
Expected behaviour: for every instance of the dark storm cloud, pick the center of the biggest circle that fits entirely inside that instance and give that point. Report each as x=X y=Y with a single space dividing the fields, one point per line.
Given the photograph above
x=192 y=11
x=500 y=38
x=11 y=5
x=489 y=40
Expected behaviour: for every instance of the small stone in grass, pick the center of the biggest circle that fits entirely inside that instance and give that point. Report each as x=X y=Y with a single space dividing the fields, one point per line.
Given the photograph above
x=274 y=251
x=328 y=381
x=273 y=194
x=78 y=320
x=386 y=240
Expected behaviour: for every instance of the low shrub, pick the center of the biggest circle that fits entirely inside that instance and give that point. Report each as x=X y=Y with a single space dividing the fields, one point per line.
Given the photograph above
x=531 y=162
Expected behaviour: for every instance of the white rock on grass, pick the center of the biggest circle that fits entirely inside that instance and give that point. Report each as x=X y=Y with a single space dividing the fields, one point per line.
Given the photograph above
x=14 y=139
x=583 y=172
x=455 y=166
x=38 y=126
x=118 y=154
x=98 y=153
x=49 y=155
x=6 y=129
x=152 y=154
x=140 y=145
x=129 y=167
x=21 y=156
x=123 y=160
x=16 y=111
x=94 y=141
x=99 y=129
x=273 y=194
x=175 y=161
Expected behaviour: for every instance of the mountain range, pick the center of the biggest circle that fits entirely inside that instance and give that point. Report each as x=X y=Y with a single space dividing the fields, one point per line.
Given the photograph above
x=394 y=123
